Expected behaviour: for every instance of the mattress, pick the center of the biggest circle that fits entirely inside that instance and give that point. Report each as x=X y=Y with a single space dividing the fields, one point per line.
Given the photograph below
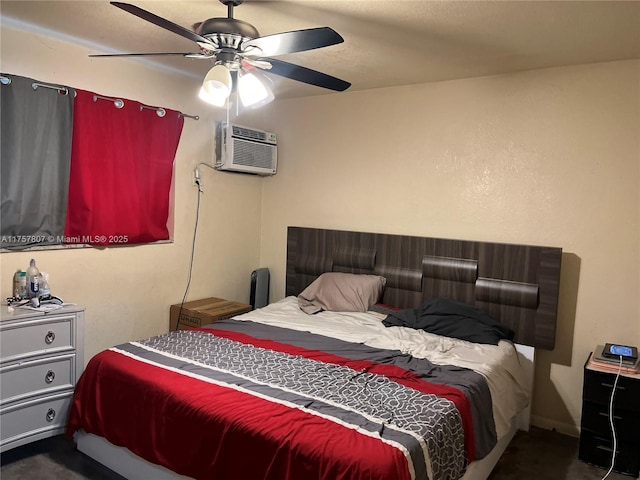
x=279 y=394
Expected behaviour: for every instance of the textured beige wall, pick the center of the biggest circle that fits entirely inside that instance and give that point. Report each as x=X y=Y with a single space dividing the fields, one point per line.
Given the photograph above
x=547 y=157
x=127 y=290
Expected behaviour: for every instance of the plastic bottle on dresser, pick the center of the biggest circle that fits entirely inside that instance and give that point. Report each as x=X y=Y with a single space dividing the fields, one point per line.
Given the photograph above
x=33 y=280
x=20 y=284
x=44 y=290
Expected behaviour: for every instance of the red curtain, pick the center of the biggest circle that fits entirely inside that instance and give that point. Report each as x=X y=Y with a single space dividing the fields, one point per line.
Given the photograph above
x=121 y=170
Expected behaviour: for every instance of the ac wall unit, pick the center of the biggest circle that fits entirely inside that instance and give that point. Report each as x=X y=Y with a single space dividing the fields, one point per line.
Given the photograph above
x=242 y=149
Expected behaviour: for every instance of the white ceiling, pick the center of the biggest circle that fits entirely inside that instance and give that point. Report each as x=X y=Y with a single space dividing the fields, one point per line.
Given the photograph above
x=387 y=42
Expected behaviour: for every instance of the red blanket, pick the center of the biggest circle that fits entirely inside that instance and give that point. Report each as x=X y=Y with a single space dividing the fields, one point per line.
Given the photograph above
x=231 y=405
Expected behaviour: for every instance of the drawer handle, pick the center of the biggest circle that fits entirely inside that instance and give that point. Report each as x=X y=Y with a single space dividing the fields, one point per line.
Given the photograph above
x=615 y=417
x=50 y=376
x=51 y=414
x=610 y=385
x=49 y=337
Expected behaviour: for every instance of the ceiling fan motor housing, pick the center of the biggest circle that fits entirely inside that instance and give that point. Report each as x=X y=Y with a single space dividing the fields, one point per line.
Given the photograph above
x=227 y=35
x=228 y=25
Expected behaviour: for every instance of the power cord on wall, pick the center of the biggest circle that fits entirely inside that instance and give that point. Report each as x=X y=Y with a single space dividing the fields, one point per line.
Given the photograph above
x=196 y=174
x=613 y=428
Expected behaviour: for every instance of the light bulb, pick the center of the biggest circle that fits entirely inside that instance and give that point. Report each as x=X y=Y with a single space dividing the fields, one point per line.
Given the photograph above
x=253 y=93
x=216 y=86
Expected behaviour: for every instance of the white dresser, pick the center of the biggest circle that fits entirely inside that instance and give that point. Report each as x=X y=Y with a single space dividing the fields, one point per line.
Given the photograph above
x=41 y=361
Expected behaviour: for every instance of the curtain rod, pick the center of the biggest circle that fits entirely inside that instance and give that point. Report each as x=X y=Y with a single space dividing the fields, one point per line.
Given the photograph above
x=62 y=90
x=118 y=102
x=161 y=112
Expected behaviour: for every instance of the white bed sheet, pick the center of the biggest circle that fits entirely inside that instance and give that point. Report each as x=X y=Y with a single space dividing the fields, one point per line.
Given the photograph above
x=499 y=364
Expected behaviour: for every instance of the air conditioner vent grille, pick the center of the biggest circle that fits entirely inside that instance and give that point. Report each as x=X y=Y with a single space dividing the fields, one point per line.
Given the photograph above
x=248 y=133
x=252 y=154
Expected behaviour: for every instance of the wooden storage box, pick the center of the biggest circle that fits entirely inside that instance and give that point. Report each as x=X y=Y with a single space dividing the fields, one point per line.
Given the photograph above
x=197 y=313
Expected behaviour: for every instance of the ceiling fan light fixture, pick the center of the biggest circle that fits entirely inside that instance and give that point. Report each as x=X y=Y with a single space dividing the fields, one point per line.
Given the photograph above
x=216 y=86
x=253 y=92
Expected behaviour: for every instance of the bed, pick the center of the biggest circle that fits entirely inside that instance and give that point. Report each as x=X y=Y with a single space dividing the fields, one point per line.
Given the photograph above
x=348 y=392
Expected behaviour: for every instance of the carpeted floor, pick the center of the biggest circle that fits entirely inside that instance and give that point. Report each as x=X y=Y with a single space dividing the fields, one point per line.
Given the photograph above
x=539 y=454
x=546 y=455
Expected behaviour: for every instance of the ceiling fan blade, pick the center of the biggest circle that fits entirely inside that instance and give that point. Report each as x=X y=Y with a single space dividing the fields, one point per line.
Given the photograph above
x=161 y=22
x=193 y=55
x=306 y=75
x=295 y=41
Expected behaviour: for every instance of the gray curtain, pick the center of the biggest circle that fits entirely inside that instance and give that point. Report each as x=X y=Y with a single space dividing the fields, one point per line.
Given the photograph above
x=35 y=157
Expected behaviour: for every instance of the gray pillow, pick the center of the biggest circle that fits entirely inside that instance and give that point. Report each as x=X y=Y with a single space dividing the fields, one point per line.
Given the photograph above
x=341 y=292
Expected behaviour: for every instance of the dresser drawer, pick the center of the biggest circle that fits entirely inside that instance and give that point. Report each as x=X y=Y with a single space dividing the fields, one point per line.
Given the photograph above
x=37 y=377
x=595 y=418
x=598 y=451
x=598 y=387
x=28 y=421
x=48 y=334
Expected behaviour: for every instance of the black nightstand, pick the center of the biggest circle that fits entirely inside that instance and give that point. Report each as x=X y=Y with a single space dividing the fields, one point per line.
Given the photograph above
x=596 y=444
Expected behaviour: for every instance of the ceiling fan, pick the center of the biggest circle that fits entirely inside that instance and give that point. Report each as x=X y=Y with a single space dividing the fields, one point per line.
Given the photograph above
x=237 y=49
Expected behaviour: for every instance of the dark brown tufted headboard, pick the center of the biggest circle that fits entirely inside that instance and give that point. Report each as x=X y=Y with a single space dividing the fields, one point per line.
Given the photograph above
x=517 y=284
